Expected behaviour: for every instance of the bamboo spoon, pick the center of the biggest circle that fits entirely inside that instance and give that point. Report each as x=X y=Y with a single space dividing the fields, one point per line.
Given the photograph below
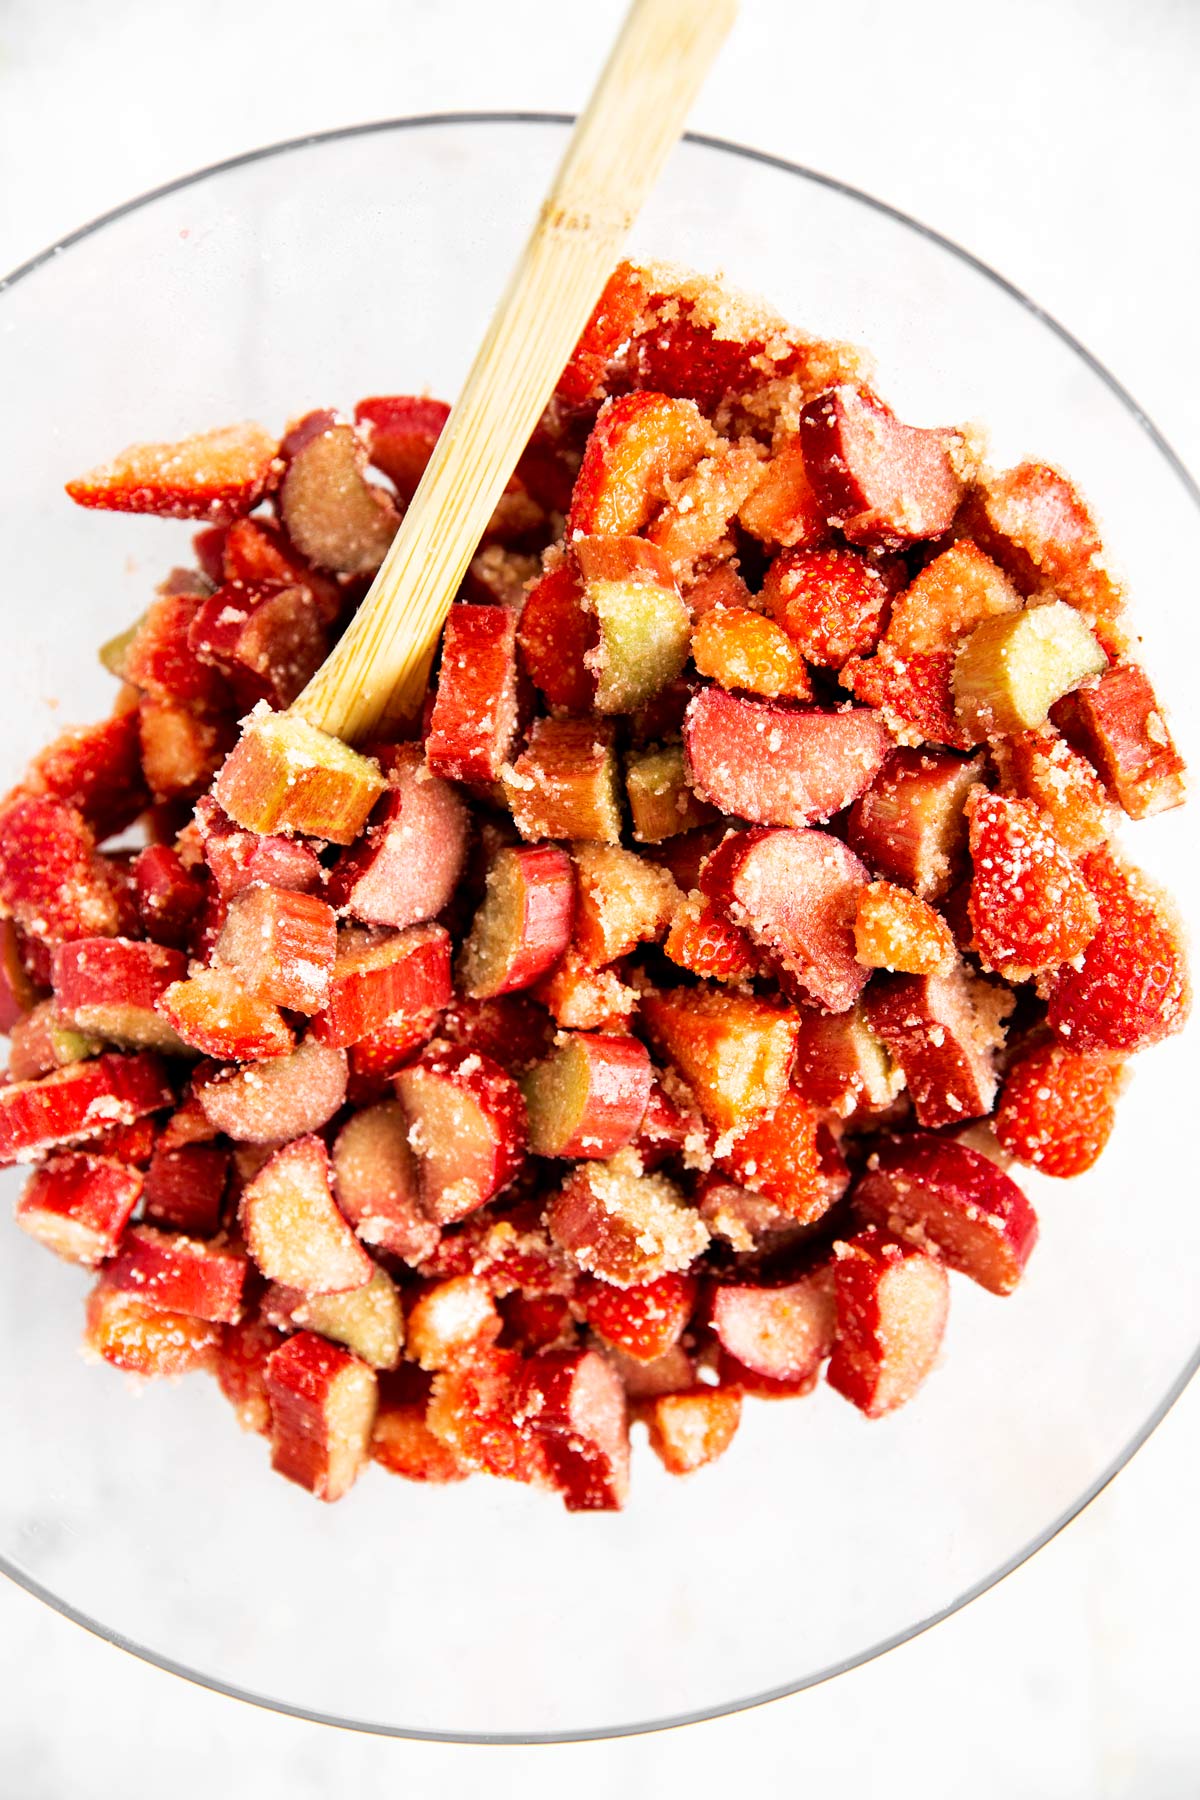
x=378 y=673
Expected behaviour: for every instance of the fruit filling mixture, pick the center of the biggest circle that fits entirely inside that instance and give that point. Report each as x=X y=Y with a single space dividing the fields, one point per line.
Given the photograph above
x=661 y=1025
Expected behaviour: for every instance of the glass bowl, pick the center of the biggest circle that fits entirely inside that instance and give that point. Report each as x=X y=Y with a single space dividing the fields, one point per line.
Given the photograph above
x=367 y=261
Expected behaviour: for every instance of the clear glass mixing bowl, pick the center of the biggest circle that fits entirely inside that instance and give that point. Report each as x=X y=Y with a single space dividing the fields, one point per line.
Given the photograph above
x=366 y=261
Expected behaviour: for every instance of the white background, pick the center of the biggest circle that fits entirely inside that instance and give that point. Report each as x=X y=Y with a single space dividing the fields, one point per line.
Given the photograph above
x=1060 y=141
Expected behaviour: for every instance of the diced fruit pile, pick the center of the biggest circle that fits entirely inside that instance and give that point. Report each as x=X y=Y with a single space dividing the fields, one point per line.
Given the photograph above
x=660 y=1025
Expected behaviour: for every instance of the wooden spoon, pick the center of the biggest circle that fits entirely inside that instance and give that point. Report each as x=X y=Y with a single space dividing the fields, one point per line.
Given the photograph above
x=378 y=673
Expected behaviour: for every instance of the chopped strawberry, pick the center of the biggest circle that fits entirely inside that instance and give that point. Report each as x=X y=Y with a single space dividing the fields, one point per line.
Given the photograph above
x=473 y=1411
x=213 y=1013
x=639 y=444
x=733 y=1050
x=1030 y=907
x=1057 y=1108
x=783 y=508
x=913 y=690
x=706 y=943
x=217 y=475
x=894 y=929
x=450 y=1320
x=645 y=1321
x=556 y=635
x=52 y=881
x=121 y=1329
x=160 y=662
x=692 y=1429
x=401 y=431
x=779 y=1156
x=97 y=770
x=739 y=648
x=831 y=603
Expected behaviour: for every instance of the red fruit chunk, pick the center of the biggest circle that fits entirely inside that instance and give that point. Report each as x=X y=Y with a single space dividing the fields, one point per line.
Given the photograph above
x=944 y=1032
x=703 y=940
x=110 y=987
x=556 y=636
x=624 y=900
x=97 y=770
x=180 y=1274
x=524 y=924
x=936 y=1193
x=79 y=1205
x=216 y=475
x=739 y=648
x=451 y=1320
x=1116 y=722
x=623 y=1225
x=185 y=1187
x=51 y=880
x=473 y=1412
x=576 y=1404
x=208 y=547
x=1038 y=528
x=589 y=1097
x=783 y=508
x=160 y=661
x=1030 y=907
x=775 y=765
x=400 y=432
x=376 y=1058
x=18 y=994
x=281 y=946
x=169 y=895
x=467 y=1127
x=695 y=524
x=537 y=1322
x=645 y=1321
x=1131 y=988
x=242 y=859
x=475 y=716
x=332 y=514
x=180 y=752
x=267 y=638
x=401 y=1441
x=666 y=1129
x=132 y=1145
x=241 y=1368
x=376 y=978
x=213 y=1013
x=322 y=1402
x=607 y=335
x=512 y=1029
x=1042 y=767
x=256 y=551
x=895 y=930
x=78 y=1101
x=1057 y=1109
x=512 y=1254
x=123 y=1330
x=831 y=603
x=564 y=783
x=42 y=1041
x=639 y=445
x=270 y=1102
x=743 y=1220
x=733 y=1050
x=781 y=1333
x=580 y=998
x=286 y=775
x=779 y=1155
x=692 y=1429
x=375 y=1177
x=892 y=1302
x=882 y=483
x=293 y=1228
x=911 y=823
x=719 y=586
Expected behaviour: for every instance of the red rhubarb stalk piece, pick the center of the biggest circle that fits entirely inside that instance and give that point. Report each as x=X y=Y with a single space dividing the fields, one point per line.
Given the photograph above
x=692 y=1429
x=1116 y=721
x=467 y=1125
x=892 y=1301
x=180 y=1274
x=944 y=1032
x=408 y=862
x=78 y=1206
x=523 y=926
x=322 y=1402
x=375 y=1177
x=623 y=1225
x=76 y=1102
x=379 y=976
x=123 y=1330
x=778 y=765
x=281 y=946
x=575 y=1403
x=270 y=1102
x=292 y=1225
x=882 y=483
x=110 y=988
x=475 y=716
x=589 y=1097
x=783 y=1333
x=333 y=514
x=185 y=1187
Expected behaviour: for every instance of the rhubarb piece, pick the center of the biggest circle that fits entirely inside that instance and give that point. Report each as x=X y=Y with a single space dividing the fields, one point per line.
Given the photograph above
x=939 y=1194
x=270 y=1102
x=405 y=868
x=41 y=1042
x=217 y=475
x=376 y=1181
x=673 y=1373
x=783 y=1333
x=774 y=765
x=1013 y=668
x=158 y=658
x=383 y=1053
x=185 y=1187
x=293 y=1228
x=782 y=509
x=746 y=1222
x=661 y=803
x=944 y=1032
x=109 y=988
x=779 y=1155
x=475 y=714
x=213 y=1013
x=378 y=977
x=623 y=1225
x=606 y=337
x=267 y=638
x=322 y=1402
x=79 y=1205
x=368 y=1320
x=123 y=1330
x=333 y=515
x=287 y=776
x=643 y=624
x=401 y=431
x=953 y=594
x=639 y=446
x=695 y=524
x=796 y=894
x=281 y=947
x=1057 y=1108
x=242 y=1353
x=564 y=783
x=690 y=1430
x=1118 y=725
x=18 y=994
x=589 y=1097
x=581 y=998
x=911 y=823
x=556 y=635
x=170 y=896
x=1038 y=528
x=97 y=770
x=706 y=943
x=467 y=1126
x=180 y=751
x=52 y=882
x=180 y=1274
x=1030 y=907
x=450 y=1320
x=575 y=1403
x=882 y=483
x=624 y=901
x=892 y=1302
x=76 y=1102
x=830 y=603
x=739 y=648
x=1043 y=768
x=914 y=693
x=473 y=1412
x=256 y=551
x=401 y=1441
x=894 y=929
x=512 y=1029
x=645 y=1321
x=243 y=859
x=1131 y=987
x=719 y=586
x=524 y=924
x=733 y=1050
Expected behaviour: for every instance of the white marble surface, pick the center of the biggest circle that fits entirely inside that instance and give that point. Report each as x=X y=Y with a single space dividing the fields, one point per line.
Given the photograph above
x=1028 y=134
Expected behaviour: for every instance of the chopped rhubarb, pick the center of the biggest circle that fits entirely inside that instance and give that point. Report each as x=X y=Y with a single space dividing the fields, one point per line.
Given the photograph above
x=217 y=475
x=556 y=636
x=1057 y=1108
x=692 y=1429
x=475 y=716
x=52 y=882
x=944 y=1032
x=76 y=1102
x=405 y=867
x=643 y=624
x=170 y=896
x=881 y=482
x=287 y=776
x=368 y=1320
x=123 y=1330
x=892 y=1302
x=272 y=1101
x=401 y=431
x=18 y=993
x=158 y=658
x=739 y=648
x=257 y=551
x=181 y=752
x=524 y=924
x=942 y=1195
x=842 y=1066
x=375 y=1177
x=180 y=1274
x=1030 y=907
x=831 y=603
x=281 y=946
x=777 y=765
x=645 y=1321
x=564 y=783
x=1116 y=721
x=624 y=1225
x=781 y=1333
x=322 y=1402
x=894 y=929
x=267 y=638
x=79 y=1205
x=1038 y=528
x=733 y=1050
x=1014 y=667
x=589 y=1097
x=185 y=1187
x=467 y=1125
x=574 y=1401
x=242 y=859
x=911 y=823
x=696 y=524
x=293 y=1228
x=661 y=801
x=109 y=988
x=452 y=1319
x=41 y=1041
x=213 y=1013
x=333 y=514
x=378 y=976
x=241 y=1359
x=640 y=445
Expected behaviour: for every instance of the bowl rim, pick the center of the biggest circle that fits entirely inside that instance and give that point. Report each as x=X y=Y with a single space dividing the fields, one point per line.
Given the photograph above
x=537 y=117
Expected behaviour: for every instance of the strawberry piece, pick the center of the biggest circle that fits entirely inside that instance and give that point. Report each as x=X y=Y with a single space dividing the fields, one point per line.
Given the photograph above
x=1043 y=768
x=733 y=1050
x=795 y=893
x=703 y=941
x=1116 y=722
x=780 y=1334
x=892 y=1302
x=690 y=1430
x=589 y=1097
x=914 y=691
x=476 y=716
x=639 y=445
x=623 y=1225
x=524 y=924
x=185 y=1187
x=180 y=752
x=576 y=1405
x=1057 y=1109
x=882 y=483
x=377 y=977
x=739 y=648
x=51 y=880
x=783 y=509
x=97 y=770
x=213 y=1013
x=241 y=1358
x=123 y=1330
x=911 y=823
x=537 y=1322
x=1131 y=988
x=169 y=895
x=944 y=1032
x=644 y=1321
x=208 y=547
x=284 y=775
x=1038 y=528
x=661 y=803
x=473 y=1413
x=376 y=1058
x=451 y=1320
x=512 y=1029
x=78 y=1206
x=401 y=431
x=333 y=515
x=256 y=551
x=367 y=1320
x=624 y=900
x=513 y=1253
x=267 y=638
x=180 y=1274
x=216 y=475
x=615 y=320
x=376 y=1181
x=580 y=998
x=132 y=1144
x=936 y=1193
x=281 y=946
x=950 y=597
x=282 y=1098
x=893 y=929
x=831 y=603
x=110 y=987
x=322 y=1402
x=18 y=993
x=243 y=859
x=779 y=1155
x=564 y=783
x=292 y=1225
x=401 y=1441
x=467 y=1125
x=695 y=525
x=673 y=1373
x=666 y=1129
x=776 y=765
x=78 y=1101
x=1030 y=907
x=556 y=636
x=159 y=660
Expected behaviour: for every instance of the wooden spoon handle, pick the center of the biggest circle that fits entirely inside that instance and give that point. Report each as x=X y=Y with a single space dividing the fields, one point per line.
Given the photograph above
x=379 y=671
